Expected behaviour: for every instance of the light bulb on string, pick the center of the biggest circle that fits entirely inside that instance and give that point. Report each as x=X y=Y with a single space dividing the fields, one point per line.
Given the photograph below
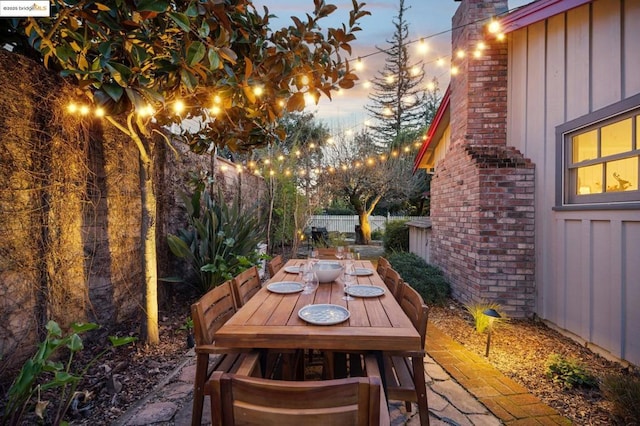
x=178 y=106
x=359 y=65
x=99 y=112
x=84 y=110
x=460 y=54
x=494 y=26
x=423 y=47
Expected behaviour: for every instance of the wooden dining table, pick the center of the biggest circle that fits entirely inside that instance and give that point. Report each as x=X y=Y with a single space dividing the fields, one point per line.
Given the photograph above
x=270 y=320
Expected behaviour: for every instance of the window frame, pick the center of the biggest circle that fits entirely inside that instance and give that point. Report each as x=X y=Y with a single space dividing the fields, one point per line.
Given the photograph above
x=566 y=197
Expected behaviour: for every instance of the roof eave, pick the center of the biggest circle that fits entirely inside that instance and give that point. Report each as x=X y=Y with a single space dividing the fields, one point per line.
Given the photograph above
x=537 y=11
x=433 y=127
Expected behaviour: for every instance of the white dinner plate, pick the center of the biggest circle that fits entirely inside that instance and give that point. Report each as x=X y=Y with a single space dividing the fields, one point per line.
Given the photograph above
x=285 y=287
x=364 y=291
x=324 y=314
x=363 y=272
x=292 y=269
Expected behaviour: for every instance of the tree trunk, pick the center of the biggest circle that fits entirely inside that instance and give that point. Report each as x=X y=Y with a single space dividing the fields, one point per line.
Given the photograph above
x=365 y=227
x=149 y=330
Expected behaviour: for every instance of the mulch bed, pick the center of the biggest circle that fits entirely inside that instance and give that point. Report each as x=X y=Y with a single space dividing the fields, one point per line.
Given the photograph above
x=520 y=349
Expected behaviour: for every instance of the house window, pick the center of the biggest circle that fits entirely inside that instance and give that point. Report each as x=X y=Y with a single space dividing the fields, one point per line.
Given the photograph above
x=602 y=157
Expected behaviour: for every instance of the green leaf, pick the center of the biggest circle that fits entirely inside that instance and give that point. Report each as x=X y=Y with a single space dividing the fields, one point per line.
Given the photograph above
x=188 y=79
x=171 y=279
x=82 y=327
x=204 y=29
x=181 y=20
x=64 y=52
x=192 y=10
x=195 y=53
x=113 y=90
x=120 y=73
x=53 y=328
x=75 y=343
x=214 y=59
x=135 y=98
x=152 y=5
x=121 y=341
x=178 y=247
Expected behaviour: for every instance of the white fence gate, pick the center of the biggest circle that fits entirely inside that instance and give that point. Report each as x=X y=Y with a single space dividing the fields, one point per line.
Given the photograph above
x=347 y=223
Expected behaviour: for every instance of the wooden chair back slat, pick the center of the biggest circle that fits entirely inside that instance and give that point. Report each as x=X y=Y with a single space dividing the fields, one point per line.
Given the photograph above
x=211 y=311
x=245 y=285
x=394 y=282
x=257 y=401
x=413 y=305
x=275 y=265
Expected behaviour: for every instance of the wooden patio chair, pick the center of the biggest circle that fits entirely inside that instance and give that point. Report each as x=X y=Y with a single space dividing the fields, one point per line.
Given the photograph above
x=404 y=371
x=394 y=282
x=209 y=314
x=275 y=264
x=327 y=253
x=255 y=401
x=245 y=285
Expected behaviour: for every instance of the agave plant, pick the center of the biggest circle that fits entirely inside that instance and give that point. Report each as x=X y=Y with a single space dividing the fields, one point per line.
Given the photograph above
x=220 y=240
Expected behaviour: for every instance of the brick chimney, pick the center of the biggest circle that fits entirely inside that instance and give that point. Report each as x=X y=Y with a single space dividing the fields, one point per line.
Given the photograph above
x=482 y=193
x=479 y=90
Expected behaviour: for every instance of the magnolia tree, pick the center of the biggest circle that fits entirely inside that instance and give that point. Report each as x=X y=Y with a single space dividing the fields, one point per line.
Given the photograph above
x=146 y=64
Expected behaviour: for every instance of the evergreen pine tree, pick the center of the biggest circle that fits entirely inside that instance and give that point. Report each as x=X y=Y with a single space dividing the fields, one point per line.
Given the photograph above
x=397 y=98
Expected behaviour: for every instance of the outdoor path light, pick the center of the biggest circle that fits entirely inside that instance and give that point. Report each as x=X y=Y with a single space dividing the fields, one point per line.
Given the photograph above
x=493 y=315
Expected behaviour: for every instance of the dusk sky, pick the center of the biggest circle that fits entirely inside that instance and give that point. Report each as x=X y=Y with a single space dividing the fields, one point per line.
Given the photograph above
x=428 y=19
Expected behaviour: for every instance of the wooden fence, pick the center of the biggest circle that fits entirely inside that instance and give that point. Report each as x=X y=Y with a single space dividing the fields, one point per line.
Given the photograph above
x=347 y=223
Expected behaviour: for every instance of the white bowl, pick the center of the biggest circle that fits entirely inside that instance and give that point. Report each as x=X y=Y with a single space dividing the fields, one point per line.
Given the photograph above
x=327 y=271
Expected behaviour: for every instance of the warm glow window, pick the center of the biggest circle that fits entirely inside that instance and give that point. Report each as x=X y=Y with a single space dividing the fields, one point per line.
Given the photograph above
x=602 y=160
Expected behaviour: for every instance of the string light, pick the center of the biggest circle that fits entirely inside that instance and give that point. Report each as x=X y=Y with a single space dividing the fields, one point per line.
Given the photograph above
x=423 y=47
x=178 y=107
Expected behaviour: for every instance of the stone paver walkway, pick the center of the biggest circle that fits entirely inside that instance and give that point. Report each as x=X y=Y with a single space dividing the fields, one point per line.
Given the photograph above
x=463 y=389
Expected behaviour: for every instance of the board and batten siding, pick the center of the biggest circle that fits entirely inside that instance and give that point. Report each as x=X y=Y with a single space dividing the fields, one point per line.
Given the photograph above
x=587 y=262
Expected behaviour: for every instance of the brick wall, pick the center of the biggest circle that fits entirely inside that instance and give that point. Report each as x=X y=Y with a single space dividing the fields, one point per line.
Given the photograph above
x=482 y=195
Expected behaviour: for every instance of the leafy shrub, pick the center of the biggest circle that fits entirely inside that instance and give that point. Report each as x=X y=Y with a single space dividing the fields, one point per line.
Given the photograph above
x=570 y=372
x=219 y=242
x=426 y=279
x=624 y=394
x=337 y=239
x=482 y=321
x=43 y=372
x=396 y=236
x=377 y=235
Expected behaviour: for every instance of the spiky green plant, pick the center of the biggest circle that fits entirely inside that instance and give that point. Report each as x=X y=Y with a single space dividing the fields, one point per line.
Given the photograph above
x=624 y=393
x=482 y=321
x=220 y=240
